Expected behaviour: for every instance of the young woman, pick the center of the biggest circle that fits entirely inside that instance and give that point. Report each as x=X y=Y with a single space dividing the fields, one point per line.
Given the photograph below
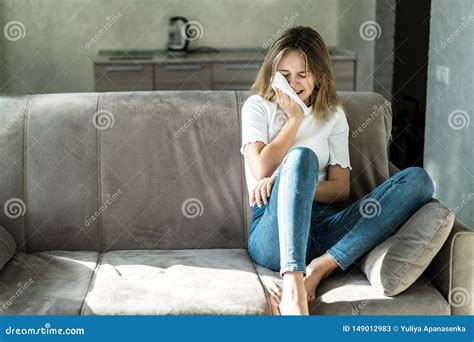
x=298 y=164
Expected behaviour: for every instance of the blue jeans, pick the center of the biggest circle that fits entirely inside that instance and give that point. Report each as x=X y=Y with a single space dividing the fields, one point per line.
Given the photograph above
x=291 y=230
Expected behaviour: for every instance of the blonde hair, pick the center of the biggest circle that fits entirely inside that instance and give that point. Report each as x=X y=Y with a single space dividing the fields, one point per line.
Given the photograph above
x=311 y=46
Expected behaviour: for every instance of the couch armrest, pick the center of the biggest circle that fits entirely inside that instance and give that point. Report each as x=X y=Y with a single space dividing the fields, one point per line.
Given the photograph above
x=452 y=270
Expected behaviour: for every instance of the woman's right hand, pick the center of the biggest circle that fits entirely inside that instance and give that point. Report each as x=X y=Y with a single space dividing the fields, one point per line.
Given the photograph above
x=289 y=106
x=262 y=191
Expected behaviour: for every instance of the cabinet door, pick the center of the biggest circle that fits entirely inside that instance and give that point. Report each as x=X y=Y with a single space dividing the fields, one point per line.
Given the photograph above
x=183 y=76
x=123 y=77
x=344 y=74
x=235 y=75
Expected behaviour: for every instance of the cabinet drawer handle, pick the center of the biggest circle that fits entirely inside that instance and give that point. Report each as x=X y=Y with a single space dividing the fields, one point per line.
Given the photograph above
x=241 y=66
x=181 y=67
x=124 y=68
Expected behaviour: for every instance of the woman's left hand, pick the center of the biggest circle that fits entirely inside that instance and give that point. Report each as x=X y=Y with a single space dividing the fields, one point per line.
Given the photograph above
x=262 y=191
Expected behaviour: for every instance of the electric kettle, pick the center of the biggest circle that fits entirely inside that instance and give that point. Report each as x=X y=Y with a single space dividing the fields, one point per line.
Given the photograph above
x=177 y=41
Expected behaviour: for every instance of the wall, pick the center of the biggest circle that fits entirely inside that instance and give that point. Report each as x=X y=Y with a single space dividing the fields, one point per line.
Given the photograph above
x=351 y=16
x=52 y=58
x=448 y=155
x=2 y=52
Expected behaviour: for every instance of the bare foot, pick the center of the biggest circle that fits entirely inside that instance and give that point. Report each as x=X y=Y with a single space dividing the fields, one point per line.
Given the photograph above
x=275 y=298
x=318 y=269
x=294 y=296
x=276 y=311
x=311 y=282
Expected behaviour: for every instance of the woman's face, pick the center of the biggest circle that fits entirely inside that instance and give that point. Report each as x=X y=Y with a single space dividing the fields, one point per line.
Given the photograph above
x=292 y=67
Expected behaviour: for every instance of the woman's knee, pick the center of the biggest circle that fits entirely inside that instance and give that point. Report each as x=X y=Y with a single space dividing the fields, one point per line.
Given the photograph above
x=304 y=157
x=420 y=181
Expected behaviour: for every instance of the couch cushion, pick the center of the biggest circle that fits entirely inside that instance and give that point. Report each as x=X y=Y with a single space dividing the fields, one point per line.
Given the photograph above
x=369 y=117
x=396 y=263
x=61 y=178
x=46 y=283
x=452 y=270
x=12 y=113
x=175 y=157
x=350 y=293
x=176 y=282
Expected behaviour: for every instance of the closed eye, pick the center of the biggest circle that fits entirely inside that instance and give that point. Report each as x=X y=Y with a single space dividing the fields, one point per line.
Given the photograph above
x=300 y=75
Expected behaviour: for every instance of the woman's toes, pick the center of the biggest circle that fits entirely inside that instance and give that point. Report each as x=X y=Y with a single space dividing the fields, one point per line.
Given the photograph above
x=276 y=310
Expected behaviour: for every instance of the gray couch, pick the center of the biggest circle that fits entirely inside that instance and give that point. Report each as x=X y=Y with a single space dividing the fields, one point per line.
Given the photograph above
x=135 y=203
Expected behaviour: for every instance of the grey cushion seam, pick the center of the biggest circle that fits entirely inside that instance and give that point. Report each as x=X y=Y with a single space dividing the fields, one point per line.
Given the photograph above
x=421 y=252
x=265 y=291
x=99 y=188
x=242 y=171
x=29 y=100
x=450 y=282
x=8 y=235
x=91 y=285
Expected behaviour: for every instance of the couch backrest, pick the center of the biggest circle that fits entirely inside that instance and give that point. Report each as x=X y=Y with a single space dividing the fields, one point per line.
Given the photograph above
x=370 y=125
x=144 y=170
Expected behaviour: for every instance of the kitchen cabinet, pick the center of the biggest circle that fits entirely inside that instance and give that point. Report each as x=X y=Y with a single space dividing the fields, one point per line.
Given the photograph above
x=235 y=75
x=183 y=76
x=225 y=70
x=123 y=77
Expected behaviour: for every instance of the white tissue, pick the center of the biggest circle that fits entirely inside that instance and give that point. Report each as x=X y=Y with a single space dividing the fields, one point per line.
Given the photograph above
x=280 y=82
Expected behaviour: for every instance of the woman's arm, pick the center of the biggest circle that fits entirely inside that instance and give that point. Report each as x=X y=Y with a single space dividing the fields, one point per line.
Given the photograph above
x=336 y=188
x=265 y=159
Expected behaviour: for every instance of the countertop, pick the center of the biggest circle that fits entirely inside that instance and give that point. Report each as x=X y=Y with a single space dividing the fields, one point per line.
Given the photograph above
x=137 y=56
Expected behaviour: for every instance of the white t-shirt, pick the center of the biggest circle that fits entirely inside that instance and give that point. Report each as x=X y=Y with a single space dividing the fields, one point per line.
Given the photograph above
x=262 y=120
